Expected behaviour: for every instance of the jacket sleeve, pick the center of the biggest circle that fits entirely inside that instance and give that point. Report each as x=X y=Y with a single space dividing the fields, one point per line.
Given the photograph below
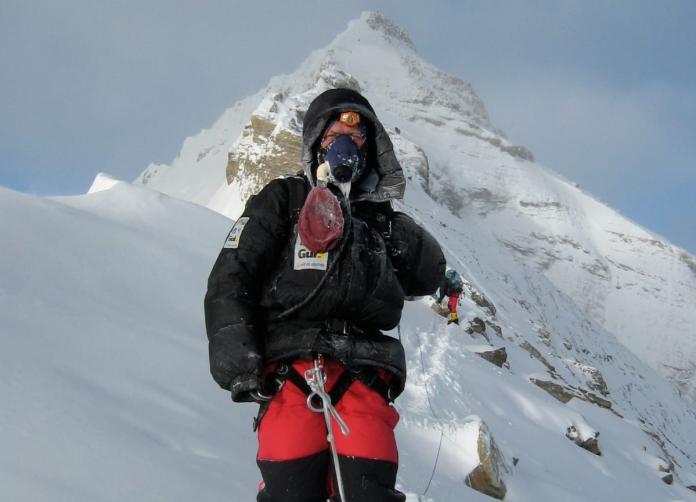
x=416 y=256
x=234 y=290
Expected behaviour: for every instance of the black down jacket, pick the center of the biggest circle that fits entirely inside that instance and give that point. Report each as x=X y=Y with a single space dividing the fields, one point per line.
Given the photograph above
x=270 y=299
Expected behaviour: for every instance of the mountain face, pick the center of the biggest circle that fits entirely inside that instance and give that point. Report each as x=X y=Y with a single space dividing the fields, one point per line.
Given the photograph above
x=635 y=286
x=576 y=322
x=558 y=385
x=107 y=394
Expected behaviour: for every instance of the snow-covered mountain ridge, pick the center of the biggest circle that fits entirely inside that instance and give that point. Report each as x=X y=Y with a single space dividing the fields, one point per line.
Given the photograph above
x=103 y=364
x=107 y=395
x=637 y=286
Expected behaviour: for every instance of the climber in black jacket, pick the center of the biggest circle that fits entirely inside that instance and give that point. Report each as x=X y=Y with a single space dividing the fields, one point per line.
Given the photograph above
x=317 y=265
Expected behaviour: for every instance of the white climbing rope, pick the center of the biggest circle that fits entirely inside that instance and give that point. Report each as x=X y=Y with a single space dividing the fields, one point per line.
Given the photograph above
x=437 y=419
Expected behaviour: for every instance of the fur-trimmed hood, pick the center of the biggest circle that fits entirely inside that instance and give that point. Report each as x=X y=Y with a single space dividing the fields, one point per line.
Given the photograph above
x=380 y=158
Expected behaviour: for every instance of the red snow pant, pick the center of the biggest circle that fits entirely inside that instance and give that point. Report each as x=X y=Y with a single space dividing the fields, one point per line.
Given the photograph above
x=294 y=455
x=452 y=302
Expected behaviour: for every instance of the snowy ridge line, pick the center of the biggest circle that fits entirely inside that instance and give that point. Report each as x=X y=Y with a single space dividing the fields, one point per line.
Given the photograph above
x=103 y=362
x=153 y=403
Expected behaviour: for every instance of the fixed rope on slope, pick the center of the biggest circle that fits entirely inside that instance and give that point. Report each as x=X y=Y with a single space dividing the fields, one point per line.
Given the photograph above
x=435 y=416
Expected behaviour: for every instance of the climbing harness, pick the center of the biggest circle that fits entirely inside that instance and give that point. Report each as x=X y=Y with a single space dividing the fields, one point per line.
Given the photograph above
x=283 y=372
x=316 y=379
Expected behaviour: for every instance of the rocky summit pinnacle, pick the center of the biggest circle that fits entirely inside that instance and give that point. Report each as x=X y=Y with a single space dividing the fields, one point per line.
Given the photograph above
x=611 y=280
x=392 y=32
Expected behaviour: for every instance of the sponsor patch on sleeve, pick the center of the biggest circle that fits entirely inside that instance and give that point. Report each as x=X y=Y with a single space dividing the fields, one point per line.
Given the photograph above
x=308 y=260
x=232 y=241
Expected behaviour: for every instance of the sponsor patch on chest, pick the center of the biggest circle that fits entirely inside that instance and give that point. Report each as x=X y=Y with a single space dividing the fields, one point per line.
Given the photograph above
x=232 y=241
x=308 y=260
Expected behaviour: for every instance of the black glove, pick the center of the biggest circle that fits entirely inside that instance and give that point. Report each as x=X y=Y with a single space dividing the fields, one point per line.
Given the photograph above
x=259 y=397
x=248 y=389
x=235 y=362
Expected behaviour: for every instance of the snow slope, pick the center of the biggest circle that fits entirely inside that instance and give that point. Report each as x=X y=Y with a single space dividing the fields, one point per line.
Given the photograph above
x=107 y=396
x=634 y=284
x=103 y=365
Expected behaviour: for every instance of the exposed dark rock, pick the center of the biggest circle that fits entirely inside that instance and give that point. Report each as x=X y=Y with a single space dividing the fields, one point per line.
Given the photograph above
x=537 y=355
x=516 y=151
x=497 y=356
x=689 y=261
x=336 y=77
x=497 y=329
x=476 y=325
x=594 y=399
x=592 y=376
x=429 y=120
x=416 y=161
x=599 y=269
x=281 y=153
x=558 y=240
x=204 y=153
x=683 y=376
x=487 y=476
x=151 y=171
x=485 y=200
x=590 y=444
x=541 y=204
x=669 y=479
x=692 y=487
x=622 y=266
x=668 y=458
x=544 y=336
x=483 y=302
x=450 y=198
x=517 y=248
x=381 y=23
x=565 y=393
x=630 y=239
x=558 y=391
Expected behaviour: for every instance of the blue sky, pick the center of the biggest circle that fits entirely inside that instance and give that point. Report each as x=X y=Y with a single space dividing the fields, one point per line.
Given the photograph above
x=602 y=92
